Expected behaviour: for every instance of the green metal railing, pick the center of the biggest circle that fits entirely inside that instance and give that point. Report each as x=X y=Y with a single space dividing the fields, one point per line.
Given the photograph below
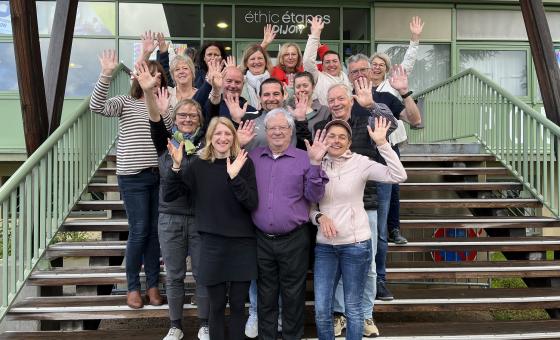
x=38 y=197
x=522 y=139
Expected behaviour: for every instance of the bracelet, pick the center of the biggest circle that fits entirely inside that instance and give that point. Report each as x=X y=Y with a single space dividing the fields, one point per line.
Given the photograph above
x=317 y=217
x=406 y=94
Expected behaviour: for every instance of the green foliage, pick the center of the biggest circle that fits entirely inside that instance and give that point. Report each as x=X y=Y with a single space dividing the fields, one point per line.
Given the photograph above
x=505 y=315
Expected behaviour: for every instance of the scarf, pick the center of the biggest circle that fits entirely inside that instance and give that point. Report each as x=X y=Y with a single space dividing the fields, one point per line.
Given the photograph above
x=253 y=87
x=187 y=138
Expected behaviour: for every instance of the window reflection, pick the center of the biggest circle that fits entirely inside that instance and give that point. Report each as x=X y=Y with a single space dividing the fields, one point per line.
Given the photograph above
x=92 y=18
x=507 y=68
x=8 y=76
x=431 y=67
x=171 y=19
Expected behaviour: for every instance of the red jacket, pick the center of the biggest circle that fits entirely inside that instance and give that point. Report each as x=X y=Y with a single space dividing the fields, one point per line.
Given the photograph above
x=280 y=74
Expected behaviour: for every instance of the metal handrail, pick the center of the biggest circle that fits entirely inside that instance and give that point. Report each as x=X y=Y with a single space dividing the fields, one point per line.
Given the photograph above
x=38 y=197
x=522 y=139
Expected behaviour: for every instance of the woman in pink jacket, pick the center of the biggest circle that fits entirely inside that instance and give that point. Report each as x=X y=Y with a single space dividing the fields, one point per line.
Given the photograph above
x=344 y=238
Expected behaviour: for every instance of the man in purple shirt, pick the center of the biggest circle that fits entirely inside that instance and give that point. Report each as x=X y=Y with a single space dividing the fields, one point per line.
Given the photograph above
x=288 y=181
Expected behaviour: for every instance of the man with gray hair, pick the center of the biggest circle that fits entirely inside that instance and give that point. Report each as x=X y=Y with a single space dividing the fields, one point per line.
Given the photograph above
x=288 y=181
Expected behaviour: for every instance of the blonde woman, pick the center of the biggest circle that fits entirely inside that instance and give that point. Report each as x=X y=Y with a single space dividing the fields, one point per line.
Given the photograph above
x=289 y=63
x=222 y=183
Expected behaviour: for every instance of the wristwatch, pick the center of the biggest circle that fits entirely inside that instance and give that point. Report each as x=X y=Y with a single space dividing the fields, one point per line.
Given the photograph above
x=317 y=217
x=406 y=94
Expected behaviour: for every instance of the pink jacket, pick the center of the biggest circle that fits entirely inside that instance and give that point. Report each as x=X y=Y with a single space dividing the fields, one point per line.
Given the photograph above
x=343 y=200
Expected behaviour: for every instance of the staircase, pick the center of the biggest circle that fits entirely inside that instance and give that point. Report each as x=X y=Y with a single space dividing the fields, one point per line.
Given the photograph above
x=462 y=189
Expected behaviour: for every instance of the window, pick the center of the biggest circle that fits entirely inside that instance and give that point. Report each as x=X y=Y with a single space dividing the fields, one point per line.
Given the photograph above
x=356 y=24
x=432 y=63
x=173 y=20
x=391 y=24
x=217 y=21
x=490 y=25
x=507 y=68
x=92 y=18
x=8 y=75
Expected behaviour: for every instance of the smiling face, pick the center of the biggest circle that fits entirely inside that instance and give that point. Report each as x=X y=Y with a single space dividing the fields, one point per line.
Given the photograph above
x=290 y=58
x=338 y=141
x=303 y=86
x=331 y=64
x=222 y=140
x=340 y=103
x=182 y=74
x=278 y=133
x=359 y=69
x=271 y=96
x=212 y=53
x=233 y=81
x=187 y=119
x=378 y=69
x=256 y=63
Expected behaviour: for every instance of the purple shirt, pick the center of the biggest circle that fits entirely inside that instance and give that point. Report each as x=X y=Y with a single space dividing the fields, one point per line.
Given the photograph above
x=287 y=186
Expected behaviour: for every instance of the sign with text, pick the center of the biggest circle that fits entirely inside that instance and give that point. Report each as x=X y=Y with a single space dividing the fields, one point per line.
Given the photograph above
x=287 y=22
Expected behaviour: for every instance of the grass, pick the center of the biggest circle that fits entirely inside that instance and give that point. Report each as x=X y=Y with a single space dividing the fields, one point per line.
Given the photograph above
x=505 y=315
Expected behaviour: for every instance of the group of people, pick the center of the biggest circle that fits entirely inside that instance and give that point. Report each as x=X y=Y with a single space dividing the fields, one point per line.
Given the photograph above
x=260 y=174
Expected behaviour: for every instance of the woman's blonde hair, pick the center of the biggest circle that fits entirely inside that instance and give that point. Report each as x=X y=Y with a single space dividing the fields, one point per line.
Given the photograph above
x=182 y=59
x=208 y=153
x=283 y=50
x=252 y=50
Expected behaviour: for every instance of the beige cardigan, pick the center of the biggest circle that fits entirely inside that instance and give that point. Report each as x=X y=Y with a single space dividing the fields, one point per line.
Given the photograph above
x=343 y=200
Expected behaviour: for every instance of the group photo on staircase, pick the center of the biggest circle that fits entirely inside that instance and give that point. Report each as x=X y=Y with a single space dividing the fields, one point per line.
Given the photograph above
x=151 y=196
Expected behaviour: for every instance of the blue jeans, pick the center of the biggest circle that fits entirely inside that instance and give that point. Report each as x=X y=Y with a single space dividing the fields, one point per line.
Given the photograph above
x=383 y=204
x=370 y=286
x=351 y=262
x=140 y=195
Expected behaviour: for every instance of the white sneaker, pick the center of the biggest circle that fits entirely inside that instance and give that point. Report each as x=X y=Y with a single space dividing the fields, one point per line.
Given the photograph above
x=174 y=334
x=370 y=329
x=204 y=333
x=339 y=324
x=252 y=327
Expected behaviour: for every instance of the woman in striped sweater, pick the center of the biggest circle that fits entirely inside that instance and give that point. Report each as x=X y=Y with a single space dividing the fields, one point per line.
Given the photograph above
x=137 y=174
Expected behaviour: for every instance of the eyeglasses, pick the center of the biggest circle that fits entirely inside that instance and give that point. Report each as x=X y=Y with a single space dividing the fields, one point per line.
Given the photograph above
x=278 y=128
x=362 y=70
x=192 y=116
x=374 y=65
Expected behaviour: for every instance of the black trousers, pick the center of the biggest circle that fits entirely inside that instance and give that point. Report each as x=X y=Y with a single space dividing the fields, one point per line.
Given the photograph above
x=217 y=295
x=282 y=262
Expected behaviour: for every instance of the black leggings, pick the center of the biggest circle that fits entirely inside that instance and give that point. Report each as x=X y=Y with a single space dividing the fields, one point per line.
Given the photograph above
x=217 y=296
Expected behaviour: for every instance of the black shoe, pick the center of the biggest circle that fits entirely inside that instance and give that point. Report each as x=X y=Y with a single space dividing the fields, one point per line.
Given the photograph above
x=383 y=292
x=396 y=237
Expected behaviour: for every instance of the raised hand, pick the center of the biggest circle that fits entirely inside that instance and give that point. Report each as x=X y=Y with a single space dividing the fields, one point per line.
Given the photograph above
x=180 y=50
x=399 y=79
x=246 y=132
x=268 y=36
x=148 y=43
x=379 y=135
x=317 y=25
x=176 y=153
x=364 y=94
x=317 y=151
x=416 y=27
x=229 y=61
x=232 y=103
x=162 y=99
x=300 y=111
x=162 y=45
x=327 y=226
x=108 y=61
x=234 y=168
x=214 y=75
x=146 y=80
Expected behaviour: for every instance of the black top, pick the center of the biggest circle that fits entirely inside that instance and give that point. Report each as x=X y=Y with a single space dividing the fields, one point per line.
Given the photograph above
x=222 y=205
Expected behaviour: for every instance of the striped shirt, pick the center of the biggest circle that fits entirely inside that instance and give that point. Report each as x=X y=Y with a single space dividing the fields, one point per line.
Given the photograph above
x=135 y=148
